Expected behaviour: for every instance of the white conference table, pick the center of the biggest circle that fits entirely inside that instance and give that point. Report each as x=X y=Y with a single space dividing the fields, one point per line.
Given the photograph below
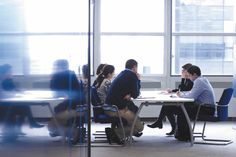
x=161 y=98
x=31 y=98
x=34 y=97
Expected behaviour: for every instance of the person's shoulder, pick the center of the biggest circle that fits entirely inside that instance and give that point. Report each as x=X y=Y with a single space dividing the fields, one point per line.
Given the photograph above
x=201 y=80
x=66 y=73
x=129 y=72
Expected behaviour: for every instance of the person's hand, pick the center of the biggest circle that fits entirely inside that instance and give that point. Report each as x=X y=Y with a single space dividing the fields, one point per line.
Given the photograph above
x=178 y=93
x=127 y=97
x=169 y=90
x=138 y=75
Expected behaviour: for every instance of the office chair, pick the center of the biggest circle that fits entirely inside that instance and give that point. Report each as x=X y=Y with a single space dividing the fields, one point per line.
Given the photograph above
x=99 y=115
x=77 y=132
x=222 y=115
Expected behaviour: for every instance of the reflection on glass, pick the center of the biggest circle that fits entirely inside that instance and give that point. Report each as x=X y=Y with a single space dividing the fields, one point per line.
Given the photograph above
x=33 y=34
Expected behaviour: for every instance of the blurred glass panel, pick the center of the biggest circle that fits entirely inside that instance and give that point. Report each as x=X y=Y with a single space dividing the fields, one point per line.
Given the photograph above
x=56 y=16
x=132 y=15
x=213 y=54
x=43 y=16
x=204 y=16
x=11 y=16
x=13 y=50
x=36 y=54
x=33 y=34
x=147 y=50
x=44 y=50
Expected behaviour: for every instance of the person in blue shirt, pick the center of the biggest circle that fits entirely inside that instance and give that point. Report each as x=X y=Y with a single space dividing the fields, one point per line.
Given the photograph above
x=203 y=94
x=123 y=88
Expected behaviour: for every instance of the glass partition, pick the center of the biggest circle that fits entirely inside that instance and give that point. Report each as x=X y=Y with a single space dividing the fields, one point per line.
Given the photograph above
x=44 y=81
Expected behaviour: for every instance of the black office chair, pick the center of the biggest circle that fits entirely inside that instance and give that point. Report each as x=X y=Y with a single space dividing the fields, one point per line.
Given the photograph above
x=222 y=115
x=99 y=115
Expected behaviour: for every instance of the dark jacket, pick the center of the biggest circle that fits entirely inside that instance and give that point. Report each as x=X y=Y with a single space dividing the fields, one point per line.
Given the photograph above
x=185 y=85
x=8 y=85
x=125 y=83
x=65 y=83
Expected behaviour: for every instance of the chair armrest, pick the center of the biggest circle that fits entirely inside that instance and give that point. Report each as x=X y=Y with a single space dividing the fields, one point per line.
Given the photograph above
x=112 y=108
x=81 y=108
x=98 y=106
x=217 y=105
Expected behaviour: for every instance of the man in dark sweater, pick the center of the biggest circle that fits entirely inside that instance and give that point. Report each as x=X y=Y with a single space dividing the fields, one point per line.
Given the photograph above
x=65 y=84
x=126 y=86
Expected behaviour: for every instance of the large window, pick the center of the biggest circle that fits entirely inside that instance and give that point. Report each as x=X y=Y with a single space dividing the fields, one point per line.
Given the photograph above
x=34 y=33
x=204 y=34
x=133 y=29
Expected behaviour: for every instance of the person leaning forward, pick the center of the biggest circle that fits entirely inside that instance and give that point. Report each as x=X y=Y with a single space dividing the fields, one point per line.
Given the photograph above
x=124 y=87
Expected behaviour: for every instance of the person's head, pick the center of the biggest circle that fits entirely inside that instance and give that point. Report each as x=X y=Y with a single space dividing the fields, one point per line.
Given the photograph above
x=185 y=68
x=85 y=71
x=194 y=72
x=5 y=70
x=132 y=65
x=100 y=68
x=107 y=73
x=61 y=65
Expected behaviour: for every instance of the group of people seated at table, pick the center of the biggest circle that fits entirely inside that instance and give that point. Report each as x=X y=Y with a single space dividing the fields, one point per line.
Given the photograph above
x=64 y=83
x=185 y=85
x=120 y=92
x=193 y=85
x=126 y=86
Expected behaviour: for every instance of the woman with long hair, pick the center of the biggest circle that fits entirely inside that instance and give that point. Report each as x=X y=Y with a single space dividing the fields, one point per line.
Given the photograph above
x=103 y=81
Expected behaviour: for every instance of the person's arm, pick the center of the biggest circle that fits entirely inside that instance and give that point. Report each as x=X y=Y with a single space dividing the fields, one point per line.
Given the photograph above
x=174 y=90
x=135 y=86
x=195 y=91
x=179 y=87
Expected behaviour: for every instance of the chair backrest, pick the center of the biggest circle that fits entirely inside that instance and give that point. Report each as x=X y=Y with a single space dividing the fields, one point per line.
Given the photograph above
x=95 y=100
x=226 y=96
x=222 y=108
x=99 y=115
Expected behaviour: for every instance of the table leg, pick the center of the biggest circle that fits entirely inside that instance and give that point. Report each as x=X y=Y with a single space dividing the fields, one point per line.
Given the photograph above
x=57 y=124
x=135 y=119
x=188 y=122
